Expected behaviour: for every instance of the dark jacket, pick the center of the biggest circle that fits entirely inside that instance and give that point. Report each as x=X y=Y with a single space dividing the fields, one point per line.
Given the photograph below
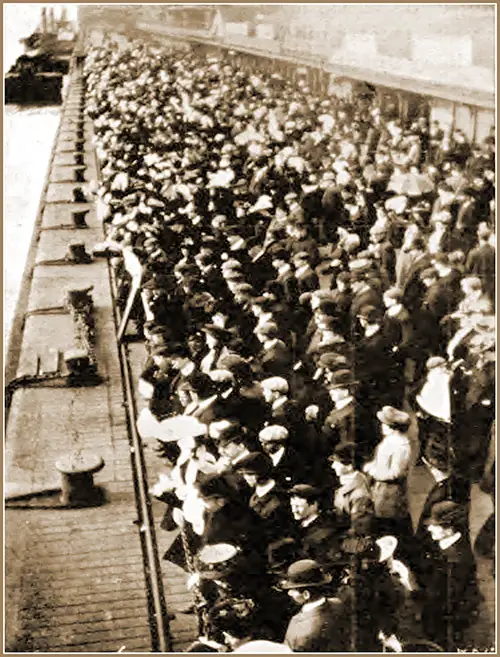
x=340 y=425
x=307 y=281
x=481 y=262
x=291 y=469
x=274 y=509
x=450 y=593
x=277 y=360
x=233 y=523
x=453 y=488
x=322 y=629
x=320 y=541
x=290 y=287
x=308 y=244
x=366 y=297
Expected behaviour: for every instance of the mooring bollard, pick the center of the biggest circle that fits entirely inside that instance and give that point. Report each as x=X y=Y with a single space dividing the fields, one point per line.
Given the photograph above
x=79 y=219
x=79 y=174
x=77 y=478
x=79 y=196
x=77 y=254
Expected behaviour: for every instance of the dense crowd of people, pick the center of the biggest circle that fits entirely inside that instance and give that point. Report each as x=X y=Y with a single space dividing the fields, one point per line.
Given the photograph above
x=316 y=278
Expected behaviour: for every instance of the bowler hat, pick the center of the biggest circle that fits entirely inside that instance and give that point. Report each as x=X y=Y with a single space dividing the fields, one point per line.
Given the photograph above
x=281 y=553
x=447 y=514
x=332 y=362
x=305 y=491
x=370 y=313
x=305 y=573
x=394 y=418
x=341 y=379
x=256 y=463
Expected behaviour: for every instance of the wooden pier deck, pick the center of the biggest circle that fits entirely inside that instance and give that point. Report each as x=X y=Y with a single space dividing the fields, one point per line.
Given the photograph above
x=76 y=578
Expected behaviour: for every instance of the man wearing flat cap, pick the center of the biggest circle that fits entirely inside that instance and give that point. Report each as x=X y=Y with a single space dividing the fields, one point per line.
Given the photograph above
x=449 y=586
x=322 y=624
x=282 y=410
x=275 y=358
x=289 y=466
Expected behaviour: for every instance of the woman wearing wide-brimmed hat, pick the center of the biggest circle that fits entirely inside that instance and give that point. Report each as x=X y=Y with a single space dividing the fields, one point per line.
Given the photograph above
x=388 y=471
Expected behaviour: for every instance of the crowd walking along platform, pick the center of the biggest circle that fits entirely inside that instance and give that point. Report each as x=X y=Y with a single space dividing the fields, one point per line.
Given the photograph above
x=81 y=557
x=90 y=552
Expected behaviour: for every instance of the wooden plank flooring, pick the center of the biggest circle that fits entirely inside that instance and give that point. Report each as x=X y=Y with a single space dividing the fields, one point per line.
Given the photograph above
x=74 y=577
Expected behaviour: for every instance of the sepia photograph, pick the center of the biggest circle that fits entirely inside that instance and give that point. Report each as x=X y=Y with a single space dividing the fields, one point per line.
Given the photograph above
x=249 y=328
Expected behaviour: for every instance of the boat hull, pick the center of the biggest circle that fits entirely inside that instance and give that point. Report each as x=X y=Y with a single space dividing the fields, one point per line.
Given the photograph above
x=40 y=88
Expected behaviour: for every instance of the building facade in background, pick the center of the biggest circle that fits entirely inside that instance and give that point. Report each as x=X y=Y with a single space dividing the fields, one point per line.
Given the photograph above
x=439 y=59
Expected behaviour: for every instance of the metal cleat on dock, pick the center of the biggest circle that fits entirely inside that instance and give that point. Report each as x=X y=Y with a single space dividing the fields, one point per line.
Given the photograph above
x=79 y=173
x=79 y=219
x=79 y=196
x=77 y=254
